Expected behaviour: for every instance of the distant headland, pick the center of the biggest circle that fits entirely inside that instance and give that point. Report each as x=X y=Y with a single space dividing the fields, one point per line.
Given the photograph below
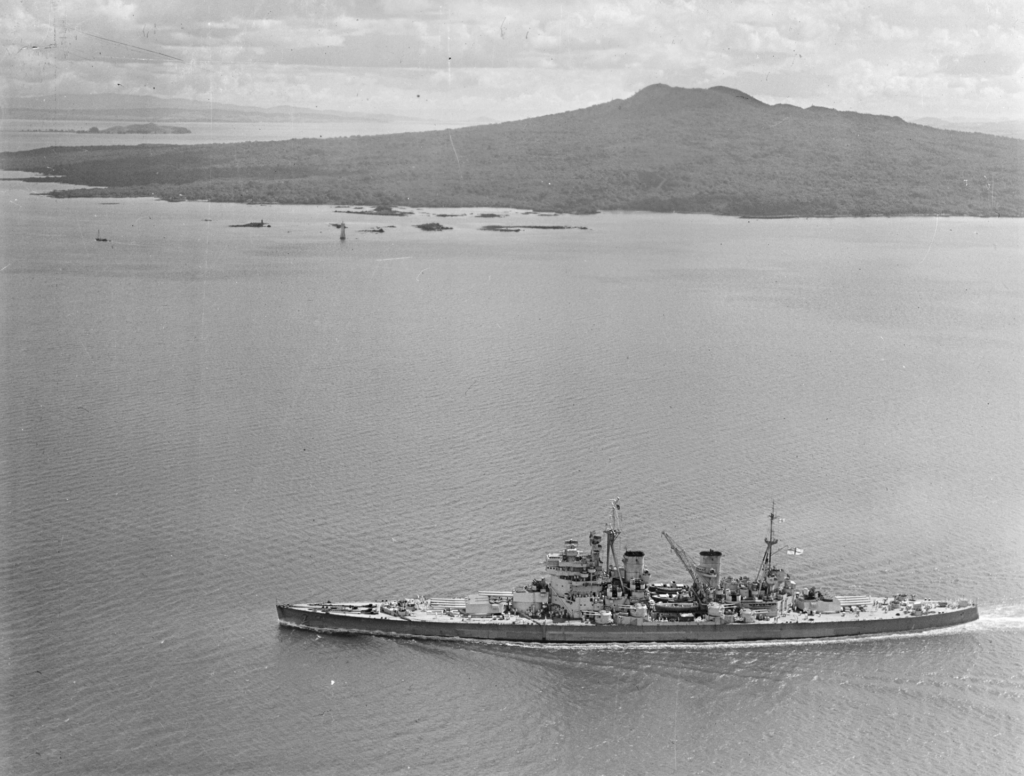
x=130 y=129
x=665 y=149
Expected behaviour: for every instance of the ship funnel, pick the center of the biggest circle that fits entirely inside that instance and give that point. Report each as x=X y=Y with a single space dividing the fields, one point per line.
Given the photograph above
x=710 y=567
x=633 y=564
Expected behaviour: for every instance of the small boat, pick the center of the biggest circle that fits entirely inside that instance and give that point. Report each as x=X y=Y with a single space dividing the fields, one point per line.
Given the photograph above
x=100 y=239
x=591 y=595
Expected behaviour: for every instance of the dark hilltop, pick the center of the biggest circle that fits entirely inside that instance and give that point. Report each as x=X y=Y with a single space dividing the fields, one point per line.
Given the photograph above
x=664 y=149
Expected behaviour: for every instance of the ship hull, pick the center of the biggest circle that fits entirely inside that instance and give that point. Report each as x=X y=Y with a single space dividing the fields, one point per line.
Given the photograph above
x=654 y=632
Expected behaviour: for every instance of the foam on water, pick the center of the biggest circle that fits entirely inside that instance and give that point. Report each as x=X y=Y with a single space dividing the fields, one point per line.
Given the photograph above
x=1000 y=617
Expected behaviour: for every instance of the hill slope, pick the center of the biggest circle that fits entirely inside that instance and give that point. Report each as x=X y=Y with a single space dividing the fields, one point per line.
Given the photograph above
x=1002 y=128
x=664 y=149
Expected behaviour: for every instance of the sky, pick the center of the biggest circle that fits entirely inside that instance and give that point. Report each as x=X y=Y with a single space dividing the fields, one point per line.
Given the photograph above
x=476 y=62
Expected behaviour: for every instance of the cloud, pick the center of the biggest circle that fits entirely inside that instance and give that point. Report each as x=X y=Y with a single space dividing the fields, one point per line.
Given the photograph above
x=987 y=64
x=513 y=59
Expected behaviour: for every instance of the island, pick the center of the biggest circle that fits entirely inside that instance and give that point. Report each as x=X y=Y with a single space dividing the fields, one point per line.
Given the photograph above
x=130 y=129
x=379 y=210
x=665 y=149
x=502 y=228
x=142 y=129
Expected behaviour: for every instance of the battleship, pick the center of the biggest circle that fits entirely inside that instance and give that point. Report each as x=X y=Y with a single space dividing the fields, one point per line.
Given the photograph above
x=590 y=594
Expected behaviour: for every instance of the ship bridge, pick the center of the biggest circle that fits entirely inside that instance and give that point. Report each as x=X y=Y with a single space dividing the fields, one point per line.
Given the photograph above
x=572 y=563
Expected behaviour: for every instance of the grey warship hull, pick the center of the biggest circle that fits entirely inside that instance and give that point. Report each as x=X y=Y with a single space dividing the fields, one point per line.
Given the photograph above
x=591 y=595
x=323 y=619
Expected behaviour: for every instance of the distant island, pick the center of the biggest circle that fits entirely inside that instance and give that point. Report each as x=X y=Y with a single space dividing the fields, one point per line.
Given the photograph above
x=665 y=149
x=141 y=129
x=139 y=108
x=131 y=129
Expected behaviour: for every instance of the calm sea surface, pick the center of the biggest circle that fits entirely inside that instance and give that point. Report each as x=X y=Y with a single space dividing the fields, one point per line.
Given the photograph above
x=199 y=420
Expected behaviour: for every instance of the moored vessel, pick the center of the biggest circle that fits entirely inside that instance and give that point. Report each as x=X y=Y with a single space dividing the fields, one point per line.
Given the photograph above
x=590 y=594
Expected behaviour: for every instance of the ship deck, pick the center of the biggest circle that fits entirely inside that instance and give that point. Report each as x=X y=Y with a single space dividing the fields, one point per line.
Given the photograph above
x=366 y=618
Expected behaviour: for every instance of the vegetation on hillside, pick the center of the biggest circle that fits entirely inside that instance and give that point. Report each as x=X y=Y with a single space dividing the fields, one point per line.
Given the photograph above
x=664 y=149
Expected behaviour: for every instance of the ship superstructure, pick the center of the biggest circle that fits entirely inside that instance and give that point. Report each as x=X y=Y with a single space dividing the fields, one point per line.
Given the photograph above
x=588 y=584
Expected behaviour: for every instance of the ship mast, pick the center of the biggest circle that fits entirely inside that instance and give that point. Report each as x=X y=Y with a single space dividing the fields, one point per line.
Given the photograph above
x=771 y=541
x=612 y=533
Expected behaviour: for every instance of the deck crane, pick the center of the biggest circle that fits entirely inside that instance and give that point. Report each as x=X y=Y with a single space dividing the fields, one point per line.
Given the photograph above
x=699 y=589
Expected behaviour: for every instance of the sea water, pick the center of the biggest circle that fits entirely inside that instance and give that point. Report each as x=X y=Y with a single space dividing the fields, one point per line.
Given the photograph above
x=200 y=420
